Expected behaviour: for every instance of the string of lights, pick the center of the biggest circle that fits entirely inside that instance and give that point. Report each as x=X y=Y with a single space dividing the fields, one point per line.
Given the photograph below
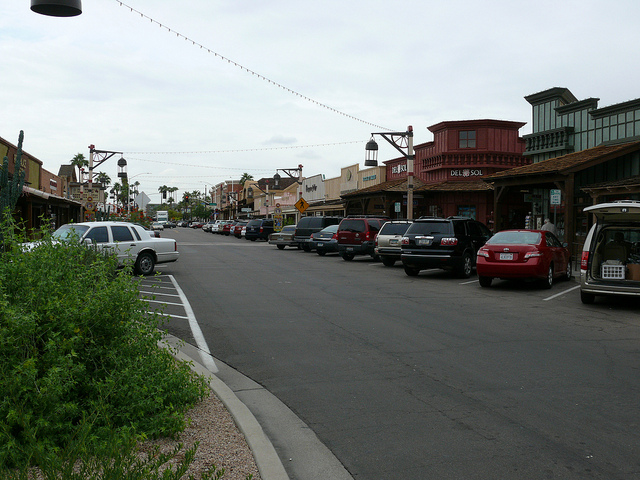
x=244 y=150
x=215 y=167
x=247 y=70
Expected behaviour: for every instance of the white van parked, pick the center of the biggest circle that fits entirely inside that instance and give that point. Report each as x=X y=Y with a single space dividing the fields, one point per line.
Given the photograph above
x=610 y=263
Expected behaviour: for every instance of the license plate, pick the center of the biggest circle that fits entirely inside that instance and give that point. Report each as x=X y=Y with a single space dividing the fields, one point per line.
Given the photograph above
x=423 y=241
x=393 y=241
x=320 y=244
x=506 y=256
x=349 y=249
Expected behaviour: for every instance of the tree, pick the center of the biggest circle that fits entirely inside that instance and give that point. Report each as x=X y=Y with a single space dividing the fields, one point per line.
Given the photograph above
x=163 y=190
x=104 y=179
x=79 y=161
x=10 y=190
x=245 y=177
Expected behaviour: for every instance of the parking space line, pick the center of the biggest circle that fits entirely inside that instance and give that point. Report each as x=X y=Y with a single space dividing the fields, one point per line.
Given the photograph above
x=203 y=348
x=561 y=293
x=159 y=293
x=170 y=315
x=161 y=301
x=469 y=282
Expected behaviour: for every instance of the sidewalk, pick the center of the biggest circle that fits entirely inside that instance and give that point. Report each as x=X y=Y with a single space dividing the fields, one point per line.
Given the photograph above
x=265 y=422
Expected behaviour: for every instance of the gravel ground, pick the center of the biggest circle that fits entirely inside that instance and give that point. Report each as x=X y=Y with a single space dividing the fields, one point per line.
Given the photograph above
x=221 y=443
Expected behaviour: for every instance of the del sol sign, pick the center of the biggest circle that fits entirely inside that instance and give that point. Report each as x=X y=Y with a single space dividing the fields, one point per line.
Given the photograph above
x=466 y=172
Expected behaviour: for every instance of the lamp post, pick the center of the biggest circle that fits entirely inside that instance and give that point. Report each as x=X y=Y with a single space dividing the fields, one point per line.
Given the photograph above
x=401 y=141
x=129 y=191
x=290 y=172
x=250 y=195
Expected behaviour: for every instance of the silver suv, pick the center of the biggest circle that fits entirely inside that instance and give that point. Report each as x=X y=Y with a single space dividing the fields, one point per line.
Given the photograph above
x=388 y=244
x=610 y=263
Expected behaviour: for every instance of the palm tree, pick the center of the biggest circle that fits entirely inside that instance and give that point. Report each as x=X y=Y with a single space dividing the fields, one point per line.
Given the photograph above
x=245 y=177
x=163 y=190
x=79 y=161
x=172 y=190
x=104 y=179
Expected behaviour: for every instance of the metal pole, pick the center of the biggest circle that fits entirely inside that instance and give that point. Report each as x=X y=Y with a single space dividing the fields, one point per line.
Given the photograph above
x=410 y=161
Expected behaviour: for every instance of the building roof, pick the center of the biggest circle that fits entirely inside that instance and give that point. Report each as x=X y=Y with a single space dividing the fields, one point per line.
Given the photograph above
x=568 y=163
x=397 y=185
x=457 y=186
x=631 y=184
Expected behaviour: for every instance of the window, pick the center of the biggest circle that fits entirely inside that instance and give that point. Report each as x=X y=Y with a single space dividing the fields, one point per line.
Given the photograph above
x=121 y=234
x=98 y=235
x=468 y=139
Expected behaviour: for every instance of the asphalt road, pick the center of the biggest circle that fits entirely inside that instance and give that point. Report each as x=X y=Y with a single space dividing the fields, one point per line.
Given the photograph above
x=426 y=377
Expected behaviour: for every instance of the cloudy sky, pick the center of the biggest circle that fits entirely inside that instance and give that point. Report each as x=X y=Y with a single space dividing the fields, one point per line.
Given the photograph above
x=197 y=92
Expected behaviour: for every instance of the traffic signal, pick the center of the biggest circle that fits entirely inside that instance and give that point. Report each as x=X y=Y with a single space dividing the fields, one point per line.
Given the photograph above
x=186 y=197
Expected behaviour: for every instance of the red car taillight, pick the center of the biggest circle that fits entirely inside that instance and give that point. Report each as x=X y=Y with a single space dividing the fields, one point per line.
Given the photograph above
x=449 y=241
x=334 y=236
x=483 y=253
x=532 y=254
x=584 y=261
x=261 y=229
x=405 y=241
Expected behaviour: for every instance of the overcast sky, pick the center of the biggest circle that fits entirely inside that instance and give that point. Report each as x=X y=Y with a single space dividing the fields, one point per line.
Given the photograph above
x=185 y=116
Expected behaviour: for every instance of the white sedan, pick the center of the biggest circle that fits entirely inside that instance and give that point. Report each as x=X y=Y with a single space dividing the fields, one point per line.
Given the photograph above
x=129 y=242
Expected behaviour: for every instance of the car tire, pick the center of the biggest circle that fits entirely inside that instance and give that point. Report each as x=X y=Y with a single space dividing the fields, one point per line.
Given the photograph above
x=568 y=272
x=467 y=266
x=587 y=298
x=485 y=281
x=412 y=272
x=388 y=262
x=548 y=282
x=280 y=247
x=145 y=264
x=348 y=256
x=322 y=253
x=306 y=248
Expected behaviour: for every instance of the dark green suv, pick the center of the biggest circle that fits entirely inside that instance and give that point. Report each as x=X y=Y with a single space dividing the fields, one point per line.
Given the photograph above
x=448 y=243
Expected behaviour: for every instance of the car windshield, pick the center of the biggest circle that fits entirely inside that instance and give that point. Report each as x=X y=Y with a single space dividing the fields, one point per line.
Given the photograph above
x=330 y=229
x=430 y=228
x=67 y=232
x=515 y=238
x=353 y=226
x=394 y=228
x=289 y=228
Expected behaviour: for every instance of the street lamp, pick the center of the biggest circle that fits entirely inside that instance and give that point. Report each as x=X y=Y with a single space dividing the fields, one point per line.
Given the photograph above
x=57 y=8
x=250 y=193
x=401 y=141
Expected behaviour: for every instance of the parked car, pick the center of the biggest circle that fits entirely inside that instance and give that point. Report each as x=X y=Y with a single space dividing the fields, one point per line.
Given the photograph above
x=157 y=226
x=259 y=228
x=207 y=226
x=227 y=227
x=130 y=243
x=196 y=224
x=610 y=263
x=448 y=243
x=237 y=228
x=357 y=234
x=325 y=241
x=309 y=225
x=388 y=243
x=523 y=254
x=284 y=238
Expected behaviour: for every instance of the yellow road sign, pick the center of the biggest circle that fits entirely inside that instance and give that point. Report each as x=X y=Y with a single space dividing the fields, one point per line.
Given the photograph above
x=301 y=205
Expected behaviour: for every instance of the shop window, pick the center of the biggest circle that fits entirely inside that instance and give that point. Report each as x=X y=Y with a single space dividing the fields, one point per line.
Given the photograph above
x=467 y=211
x=467 y=139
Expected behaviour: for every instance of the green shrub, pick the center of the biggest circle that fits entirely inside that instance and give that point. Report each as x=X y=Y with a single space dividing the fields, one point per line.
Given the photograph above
x=79 y=354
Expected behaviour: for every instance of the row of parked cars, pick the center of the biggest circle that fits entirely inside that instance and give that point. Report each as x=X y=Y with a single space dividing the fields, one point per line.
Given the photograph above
x=610 y=262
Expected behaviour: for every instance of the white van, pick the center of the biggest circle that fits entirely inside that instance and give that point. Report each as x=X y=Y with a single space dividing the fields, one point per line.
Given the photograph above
x=610 y=263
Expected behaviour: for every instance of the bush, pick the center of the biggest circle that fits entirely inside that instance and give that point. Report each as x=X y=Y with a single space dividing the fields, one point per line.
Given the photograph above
x=79 y=357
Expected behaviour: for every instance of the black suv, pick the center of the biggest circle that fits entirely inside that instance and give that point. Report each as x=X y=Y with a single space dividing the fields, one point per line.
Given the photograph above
x=357 y=235
x=259 y=229
x=308 y=225
x=448 y=243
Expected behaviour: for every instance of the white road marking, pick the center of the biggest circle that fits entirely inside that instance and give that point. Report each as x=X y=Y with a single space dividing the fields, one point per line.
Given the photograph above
x=203 y=348
x=469 y=282
x=561 y=293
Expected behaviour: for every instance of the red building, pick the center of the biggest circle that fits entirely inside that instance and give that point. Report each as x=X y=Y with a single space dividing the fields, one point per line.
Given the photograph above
x=449 y=169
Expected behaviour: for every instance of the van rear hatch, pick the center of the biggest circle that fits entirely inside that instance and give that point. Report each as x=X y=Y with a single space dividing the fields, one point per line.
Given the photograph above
x=616 y=211
x=352 y=232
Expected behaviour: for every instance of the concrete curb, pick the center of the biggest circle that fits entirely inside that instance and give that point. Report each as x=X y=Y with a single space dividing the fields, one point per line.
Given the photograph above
x=269 y=464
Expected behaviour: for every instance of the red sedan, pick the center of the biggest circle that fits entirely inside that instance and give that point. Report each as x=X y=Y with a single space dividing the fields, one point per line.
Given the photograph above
x=527 y=254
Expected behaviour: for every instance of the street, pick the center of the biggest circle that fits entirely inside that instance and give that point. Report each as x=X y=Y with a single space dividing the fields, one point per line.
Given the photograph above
x=421 y=377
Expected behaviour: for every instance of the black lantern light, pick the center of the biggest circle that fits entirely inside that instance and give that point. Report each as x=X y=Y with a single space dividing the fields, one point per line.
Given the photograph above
x=57 y=8
x=371 y=156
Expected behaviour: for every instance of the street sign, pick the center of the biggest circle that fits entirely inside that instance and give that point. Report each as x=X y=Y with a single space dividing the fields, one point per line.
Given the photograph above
x=555 y=196
x=301 y=205
x=245 y=209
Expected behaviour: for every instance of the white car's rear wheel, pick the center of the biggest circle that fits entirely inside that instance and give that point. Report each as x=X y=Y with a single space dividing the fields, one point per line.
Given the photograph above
x=145 y=264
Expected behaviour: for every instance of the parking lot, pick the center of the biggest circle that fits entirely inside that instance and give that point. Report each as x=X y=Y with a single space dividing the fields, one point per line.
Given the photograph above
x=426 y=376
